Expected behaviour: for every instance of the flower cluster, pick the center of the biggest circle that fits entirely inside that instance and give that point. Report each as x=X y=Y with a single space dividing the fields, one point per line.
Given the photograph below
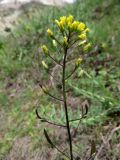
x=71 y=30
x=69 y=23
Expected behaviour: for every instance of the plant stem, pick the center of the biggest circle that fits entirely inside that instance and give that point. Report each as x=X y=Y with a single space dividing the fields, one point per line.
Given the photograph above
x=47 y=121
x=65 y=103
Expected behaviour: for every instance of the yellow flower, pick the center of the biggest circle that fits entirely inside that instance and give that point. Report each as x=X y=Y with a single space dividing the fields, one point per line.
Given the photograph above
x=78 y=62
x=70 y=25
x=75 y=25
x=81 y=26
x=87 y=46
x=44 y=65
x=50 y=33
x=63 y=19
x=60 y=24
x=69 y=19
x=82 y=36
x=45 y=49
x=65 y=41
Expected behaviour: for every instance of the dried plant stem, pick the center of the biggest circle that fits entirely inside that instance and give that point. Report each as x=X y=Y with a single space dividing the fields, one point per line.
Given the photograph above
x=65 y=103
x=107 y=141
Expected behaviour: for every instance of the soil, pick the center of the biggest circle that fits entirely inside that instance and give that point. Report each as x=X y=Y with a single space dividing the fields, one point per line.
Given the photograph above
x=10 y=10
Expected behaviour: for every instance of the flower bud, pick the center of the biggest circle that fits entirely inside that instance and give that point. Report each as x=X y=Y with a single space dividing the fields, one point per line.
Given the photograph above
x=104 y=45
x=78 y=62
x=65 y=41
x=86 y=30
x=82 y=36
x=50 y=33
x=57 y=22
x=45 y=49
x=87 y=46
x=60 y=24
x=54 y=43
x=44 y=65
x=81 y=26
x=70 y=25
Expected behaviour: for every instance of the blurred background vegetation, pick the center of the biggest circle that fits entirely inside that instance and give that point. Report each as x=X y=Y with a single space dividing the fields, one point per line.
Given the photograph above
x=97 y=82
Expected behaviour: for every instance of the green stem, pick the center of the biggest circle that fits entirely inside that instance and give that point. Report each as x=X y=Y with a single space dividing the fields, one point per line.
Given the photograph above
x=65 y=104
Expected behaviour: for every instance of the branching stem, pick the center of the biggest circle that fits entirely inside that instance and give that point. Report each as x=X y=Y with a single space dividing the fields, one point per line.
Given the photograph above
x=54 y=60
x=51 y=95
x=47 y=121
x=71 y=73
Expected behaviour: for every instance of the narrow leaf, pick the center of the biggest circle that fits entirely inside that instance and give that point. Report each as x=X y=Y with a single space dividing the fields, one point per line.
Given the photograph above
x=38 y=116
x=48 y=139
x=86 y=109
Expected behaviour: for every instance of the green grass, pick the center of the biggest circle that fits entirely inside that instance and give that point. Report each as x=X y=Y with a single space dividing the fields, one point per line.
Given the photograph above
x=20 y=64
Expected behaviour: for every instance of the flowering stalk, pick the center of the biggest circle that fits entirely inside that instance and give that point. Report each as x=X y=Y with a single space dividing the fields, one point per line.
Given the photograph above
x=72 y=31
